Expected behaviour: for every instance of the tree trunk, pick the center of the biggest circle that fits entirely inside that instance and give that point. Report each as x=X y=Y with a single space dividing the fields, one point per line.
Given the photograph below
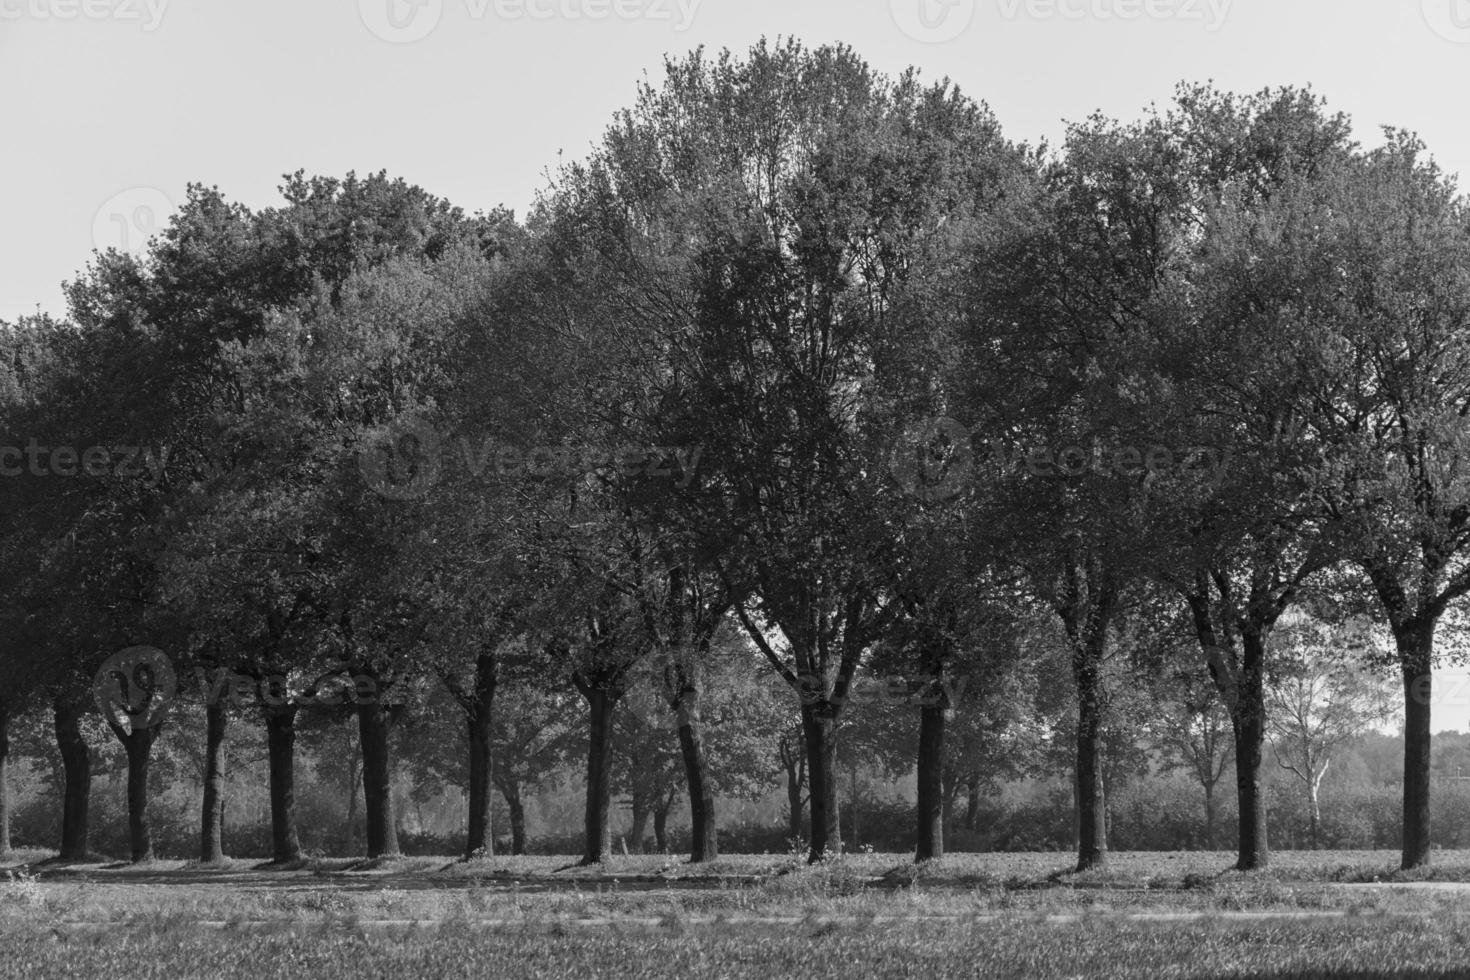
x=76 y=761
x=601 y=703
x=639 y=830
x=1248 y=722
x=1210 y=817
x=931 y=782
x=819 y=728
x=374 y=726
x=138 y=744
x=212 y=816
x=4 y=781
x=1314 y=813
x=972 y=803
x=511 y=790
x=704 y=835
x=661 y=823
x=795 y=783
x=1092 y=831
x=479 y=841
x=952 y=786
x=1415 y=645
x=280 y=728
x=481 y=837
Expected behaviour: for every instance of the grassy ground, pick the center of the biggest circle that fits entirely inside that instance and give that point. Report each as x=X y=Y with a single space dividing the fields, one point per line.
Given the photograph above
x=992 y=914
x=1095 y=948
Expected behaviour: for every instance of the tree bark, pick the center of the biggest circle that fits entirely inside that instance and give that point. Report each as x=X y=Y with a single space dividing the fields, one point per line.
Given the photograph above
x=138 y=744
x=952 y=786
x=704 y=834
x=76 y=761
x=481 y=836
x=374 y=726
x=1314 y=813
x=661 y=823
x=639 y=830
x=819 y=728
x=1092 y=831
x=212 y=816
x=511 y=790
x=280 y=727
x=350 y=836
x=795 y=765
x=1415 y=643
x=1248 y=722
x=930 y=808
x=1210 y=816
x=1088 y=602
x=5 y=847
x=601 y=703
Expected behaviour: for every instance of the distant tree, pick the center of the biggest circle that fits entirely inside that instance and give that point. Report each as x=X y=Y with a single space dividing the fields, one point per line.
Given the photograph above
x=1192 y=729
x=533 y=741
x=1321 y=698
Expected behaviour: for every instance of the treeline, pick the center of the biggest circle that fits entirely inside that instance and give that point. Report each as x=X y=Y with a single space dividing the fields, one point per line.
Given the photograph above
x=1018 y=801
x=801 y=360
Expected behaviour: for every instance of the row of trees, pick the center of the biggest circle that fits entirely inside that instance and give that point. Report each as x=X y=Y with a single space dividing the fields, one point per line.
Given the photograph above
x=1168 y=774
x=799 y=351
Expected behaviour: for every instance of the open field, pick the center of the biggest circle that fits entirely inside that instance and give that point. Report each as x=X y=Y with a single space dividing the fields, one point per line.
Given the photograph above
x=1149 y=914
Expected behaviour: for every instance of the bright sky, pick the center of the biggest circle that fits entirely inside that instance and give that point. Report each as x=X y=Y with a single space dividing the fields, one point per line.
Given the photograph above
x=112 y=106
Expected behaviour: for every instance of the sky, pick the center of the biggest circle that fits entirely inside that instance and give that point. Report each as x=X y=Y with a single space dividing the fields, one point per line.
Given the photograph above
x=112 y=107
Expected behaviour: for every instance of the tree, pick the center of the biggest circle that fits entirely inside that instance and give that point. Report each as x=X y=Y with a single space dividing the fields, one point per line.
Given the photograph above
x=1322 y=699
x=1061 y=292
x=1193 y=730
x=533 y=740
x=649 y=768
x=1394 y=369
x=1242 y=539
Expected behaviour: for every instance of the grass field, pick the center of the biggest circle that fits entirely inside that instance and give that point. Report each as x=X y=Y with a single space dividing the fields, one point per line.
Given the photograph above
x=1147 y=915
